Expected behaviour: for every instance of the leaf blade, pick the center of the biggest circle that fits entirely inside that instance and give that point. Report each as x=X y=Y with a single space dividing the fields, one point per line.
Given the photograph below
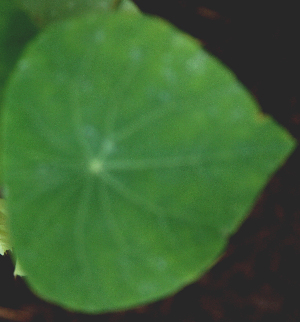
x=142 y=151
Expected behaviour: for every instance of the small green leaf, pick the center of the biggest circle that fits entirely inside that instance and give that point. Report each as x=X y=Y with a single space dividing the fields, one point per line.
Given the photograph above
x=131 y=155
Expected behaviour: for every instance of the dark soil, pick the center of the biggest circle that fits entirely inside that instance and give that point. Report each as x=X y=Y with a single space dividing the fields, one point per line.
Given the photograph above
x=258 y=277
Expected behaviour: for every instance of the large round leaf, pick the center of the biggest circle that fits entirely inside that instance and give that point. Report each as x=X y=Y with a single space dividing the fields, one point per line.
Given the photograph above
x=131 y=156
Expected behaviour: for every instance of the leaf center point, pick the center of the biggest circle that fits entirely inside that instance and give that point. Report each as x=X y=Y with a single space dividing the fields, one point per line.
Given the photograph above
x=96 y=166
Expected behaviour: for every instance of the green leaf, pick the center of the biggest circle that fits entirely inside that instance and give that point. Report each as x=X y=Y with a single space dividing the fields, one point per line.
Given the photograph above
x=131 y=155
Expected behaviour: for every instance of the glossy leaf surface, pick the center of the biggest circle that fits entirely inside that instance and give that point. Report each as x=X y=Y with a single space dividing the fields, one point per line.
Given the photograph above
x=131 y=156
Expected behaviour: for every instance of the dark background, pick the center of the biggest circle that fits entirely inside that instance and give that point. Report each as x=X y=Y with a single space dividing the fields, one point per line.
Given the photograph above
x=257 y=279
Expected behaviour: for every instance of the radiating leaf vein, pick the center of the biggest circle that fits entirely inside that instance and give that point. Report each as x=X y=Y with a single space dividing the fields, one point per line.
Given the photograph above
x=137 y=199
